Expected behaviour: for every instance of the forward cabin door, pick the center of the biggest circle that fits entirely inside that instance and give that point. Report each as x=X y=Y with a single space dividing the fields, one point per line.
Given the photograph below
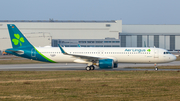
x=156 y=53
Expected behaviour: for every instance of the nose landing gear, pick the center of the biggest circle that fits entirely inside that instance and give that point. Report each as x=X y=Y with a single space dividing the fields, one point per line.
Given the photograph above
x=156 y=68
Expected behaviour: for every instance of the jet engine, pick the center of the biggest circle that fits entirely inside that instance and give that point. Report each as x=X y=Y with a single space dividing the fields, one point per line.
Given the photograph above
x=106 y=64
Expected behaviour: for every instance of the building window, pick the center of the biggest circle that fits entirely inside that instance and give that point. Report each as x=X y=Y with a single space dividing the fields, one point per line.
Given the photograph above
x=107 y=45
x=115 y=41
x=66 y=45
x=83 y=45
x=107 y=41
x=82 y=41
x=64 y=42
x=108 y=25
x=147 y=40
x=123 y=40
x=99 y=46
x=90 y=45
x=139 y=40
x=99 y=41
x=90 y=41
x=156 y=40
x=172 y=42
x=115 y=46
x=55 y=43
x=73 y=46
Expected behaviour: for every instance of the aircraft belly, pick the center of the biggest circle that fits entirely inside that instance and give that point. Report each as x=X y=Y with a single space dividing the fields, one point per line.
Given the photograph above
x=61 y=58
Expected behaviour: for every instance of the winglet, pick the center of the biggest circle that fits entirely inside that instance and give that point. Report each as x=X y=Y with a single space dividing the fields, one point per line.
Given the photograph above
x=62 y=50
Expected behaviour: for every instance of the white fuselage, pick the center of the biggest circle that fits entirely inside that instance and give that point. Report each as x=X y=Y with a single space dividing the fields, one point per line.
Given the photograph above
x=119 y=54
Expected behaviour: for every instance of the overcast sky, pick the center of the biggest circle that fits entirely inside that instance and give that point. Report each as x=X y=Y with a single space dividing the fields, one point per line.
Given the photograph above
x=129 y=11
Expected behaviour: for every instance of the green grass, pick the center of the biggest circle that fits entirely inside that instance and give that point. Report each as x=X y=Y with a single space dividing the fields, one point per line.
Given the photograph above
x=89 y=86
x=178 y=58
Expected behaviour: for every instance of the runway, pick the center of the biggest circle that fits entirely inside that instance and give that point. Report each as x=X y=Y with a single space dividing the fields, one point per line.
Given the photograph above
x=76 y=66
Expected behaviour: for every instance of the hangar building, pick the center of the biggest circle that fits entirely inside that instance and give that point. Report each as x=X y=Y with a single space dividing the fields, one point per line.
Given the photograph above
x=59 y=32
x=162 y=36
x=93 y=34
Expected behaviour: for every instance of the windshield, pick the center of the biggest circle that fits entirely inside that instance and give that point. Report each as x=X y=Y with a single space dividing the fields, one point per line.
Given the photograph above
x=167 y=53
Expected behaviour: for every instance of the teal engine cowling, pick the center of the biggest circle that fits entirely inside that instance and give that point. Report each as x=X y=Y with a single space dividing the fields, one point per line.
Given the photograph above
x=106 y=64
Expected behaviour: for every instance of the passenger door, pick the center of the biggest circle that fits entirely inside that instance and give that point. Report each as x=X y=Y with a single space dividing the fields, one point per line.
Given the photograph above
x=156 y=53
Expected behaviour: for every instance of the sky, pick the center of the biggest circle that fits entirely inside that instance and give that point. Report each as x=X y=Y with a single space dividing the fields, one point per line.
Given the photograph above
x=129 y=11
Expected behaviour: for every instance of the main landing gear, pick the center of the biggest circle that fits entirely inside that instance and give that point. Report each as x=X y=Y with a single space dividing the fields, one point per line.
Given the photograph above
x=91 y=67
x=156 y=68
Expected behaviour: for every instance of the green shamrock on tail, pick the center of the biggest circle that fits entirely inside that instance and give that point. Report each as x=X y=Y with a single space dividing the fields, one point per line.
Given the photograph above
x=17 y=40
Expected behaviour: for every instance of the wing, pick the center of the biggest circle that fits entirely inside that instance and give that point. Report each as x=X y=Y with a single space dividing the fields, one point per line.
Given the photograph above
x=83 y=57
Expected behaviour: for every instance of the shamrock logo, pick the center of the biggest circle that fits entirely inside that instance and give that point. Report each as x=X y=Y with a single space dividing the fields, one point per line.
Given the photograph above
x=149 y=50
x=17 y=40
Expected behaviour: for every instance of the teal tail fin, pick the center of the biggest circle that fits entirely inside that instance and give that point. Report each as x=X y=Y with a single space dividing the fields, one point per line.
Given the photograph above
x=17 y=38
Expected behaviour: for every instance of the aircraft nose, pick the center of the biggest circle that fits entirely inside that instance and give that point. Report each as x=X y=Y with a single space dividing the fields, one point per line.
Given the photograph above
x=173 y=57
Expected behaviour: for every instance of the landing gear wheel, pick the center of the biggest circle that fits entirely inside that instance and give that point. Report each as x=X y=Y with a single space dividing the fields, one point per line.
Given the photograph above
x=88 y=68
x=92 y=67
x=156 y=69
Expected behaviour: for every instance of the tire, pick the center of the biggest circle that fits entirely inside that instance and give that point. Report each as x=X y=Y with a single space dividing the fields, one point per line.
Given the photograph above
x=92 y=67
x=156 y=69
x=88 y=68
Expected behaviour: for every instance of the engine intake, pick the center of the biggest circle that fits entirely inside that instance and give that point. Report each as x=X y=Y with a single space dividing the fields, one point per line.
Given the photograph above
x=106 y=64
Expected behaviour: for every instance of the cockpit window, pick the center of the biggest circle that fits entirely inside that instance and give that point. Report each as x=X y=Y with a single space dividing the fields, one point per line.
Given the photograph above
x=167 y=53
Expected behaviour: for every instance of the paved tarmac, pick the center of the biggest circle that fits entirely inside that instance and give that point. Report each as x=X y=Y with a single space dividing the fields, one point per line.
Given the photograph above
x=76 y=66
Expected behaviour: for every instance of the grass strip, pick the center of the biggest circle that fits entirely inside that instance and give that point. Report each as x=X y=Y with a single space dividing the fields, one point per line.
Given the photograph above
x=93 y=85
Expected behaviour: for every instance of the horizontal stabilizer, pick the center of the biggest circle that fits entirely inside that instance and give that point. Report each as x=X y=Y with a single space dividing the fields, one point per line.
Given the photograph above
x=20 y=52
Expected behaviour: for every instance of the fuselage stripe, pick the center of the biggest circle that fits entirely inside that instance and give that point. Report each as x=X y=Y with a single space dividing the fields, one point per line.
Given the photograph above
x=45 y=56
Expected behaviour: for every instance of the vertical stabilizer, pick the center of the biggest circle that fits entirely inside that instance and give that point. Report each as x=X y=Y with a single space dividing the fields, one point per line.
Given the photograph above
x=17 y=38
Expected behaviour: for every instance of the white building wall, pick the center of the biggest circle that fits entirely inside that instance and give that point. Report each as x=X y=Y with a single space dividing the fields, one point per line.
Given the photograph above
x=69 y=30
x=151 y=29
x=161 y=41
x=167 y=42
x=134 y=41
x=64 y=30
x=177 y=42
x=151 y=41
x=5 y=45
x=38 y=40
x=128 y=41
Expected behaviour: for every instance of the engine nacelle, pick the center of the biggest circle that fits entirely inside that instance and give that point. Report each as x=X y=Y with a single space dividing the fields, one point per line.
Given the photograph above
x=106 y=64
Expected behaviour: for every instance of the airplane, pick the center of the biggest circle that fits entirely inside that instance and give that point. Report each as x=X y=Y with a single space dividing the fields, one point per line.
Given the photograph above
x=102 y=57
